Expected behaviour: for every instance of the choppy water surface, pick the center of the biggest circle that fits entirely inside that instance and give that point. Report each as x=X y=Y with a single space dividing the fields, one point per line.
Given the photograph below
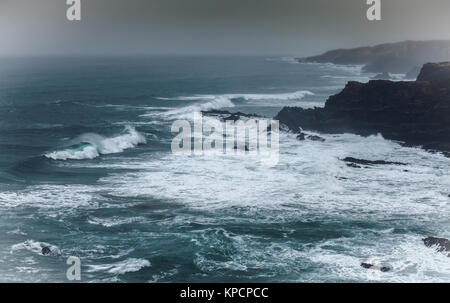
x=86 y=168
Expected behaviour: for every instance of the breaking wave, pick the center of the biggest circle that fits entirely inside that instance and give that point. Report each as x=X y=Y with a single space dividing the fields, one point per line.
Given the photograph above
x=129 y=265
x=92 y=145
x=210 y=102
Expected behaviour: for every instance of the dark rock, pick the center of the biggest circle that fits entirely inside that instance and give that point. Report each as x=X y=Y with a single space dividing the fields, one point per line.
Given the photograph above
x=302 y=136
x=370 y=162
x=413 y=112
x=366 y=265
x=434 y=72
x=441 y=244
x=397 y=57
x=371 y=266
x=315 y=138
x=226 y=115
x=46 y=250
x=353 y=165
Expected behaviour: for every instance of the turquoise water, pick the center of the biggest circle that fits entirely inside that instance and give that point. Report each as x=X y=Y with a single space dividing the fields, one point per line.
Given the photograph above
x=87 y=169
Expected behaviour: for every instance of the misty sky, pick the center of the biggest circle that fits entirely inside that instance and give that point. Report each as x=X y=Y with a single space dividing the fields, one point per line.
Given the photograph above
x=213 y=27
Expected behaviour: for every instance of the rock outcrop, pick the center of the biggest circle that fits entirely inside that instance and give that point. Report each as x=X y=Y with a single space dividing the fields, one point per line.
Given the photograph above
x=435 y=72
x=46 y=250
x=417 y=113
x=398 y=57
x=354 y=161
x=372 y=266
x=225 y=115
x=441 y=244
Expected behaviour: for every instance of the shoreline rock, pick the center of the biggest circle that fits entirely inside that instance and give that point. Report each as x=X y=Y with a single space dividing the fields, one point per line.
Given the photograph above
x=226 y=115
x=435 y=72
x=416 y=113
x=355 y=161
x=441 y=244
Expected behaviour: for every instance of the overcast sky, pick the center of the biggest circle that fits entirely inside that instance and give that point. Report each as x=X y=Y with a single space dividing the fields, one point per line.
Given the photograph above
x=213 y=27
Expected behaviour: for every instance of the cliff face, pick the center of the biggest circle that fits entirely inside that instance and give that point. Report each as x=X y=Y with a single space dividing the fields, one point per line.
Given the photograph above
x=400 y=57
x=435 y=71
x=417 y=113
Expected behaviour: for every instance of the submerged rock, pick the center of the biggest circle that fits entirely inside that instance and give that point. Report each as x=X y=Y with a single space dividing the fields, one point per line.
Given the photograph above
x=225 y=115
x=302 y=136
x=371 y=266
x=370 y=162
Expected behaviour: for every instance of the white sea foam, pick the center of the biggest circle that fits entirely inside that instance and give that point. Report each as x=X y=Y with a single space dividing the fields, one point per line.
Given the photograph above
x=35 y=247
x=210 y=102
x=58 y=197
x=115 y=221
x=119 y=268
x=311 y=183
x=100 y=145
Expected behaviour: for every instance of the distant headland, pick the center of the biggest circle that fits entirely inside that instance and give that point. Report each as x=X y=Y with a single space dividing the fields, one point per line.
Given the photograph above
x=401 y=57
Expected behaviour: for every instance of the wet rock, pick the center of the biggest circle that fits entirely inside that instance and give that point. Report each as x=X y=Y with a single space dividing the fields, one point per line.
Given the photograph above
x=353 y=165
x=372 y=266
x=226 y=115
x=415 y=113
x=315 y=138
x=302 y=136
x=370 y=162
x=46 y=250
x=441 y=244
x=435 y=72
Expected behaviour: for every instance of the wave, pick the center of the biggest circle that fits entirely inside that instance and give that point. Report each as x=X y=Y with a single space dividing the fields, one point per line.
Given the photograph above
x=210 y=102
x=92 y=145
x=35 y=247
x=129 y=265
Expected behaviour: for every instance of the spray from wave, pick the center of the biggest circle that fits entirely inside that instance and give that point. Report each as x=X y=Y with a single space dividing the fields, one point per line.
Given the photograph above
x=92 y=145
x=210 y=102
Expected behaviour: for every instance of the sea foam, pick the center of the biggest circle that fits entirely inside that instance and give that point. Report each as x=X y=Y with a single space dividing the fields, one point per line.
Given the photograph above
x=211 y=102
x=100 y=145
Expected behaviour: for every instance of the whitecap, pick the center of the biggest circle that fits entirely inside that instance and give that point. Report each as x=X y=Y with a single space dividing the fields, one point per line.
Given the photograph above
x=95 y=145
x=119 y=268
x=211 y=102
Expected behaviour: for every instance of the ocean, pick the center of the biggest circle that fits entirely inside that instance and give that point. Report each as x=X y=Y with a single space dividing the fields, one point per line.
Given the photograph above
x=87 y=170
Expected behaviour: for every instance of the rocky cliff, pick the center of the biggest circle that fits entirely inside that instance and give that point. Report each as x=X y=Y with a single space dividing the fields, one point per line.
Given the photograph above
x=417 y=113
x=435 y=71
x=400 y=57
